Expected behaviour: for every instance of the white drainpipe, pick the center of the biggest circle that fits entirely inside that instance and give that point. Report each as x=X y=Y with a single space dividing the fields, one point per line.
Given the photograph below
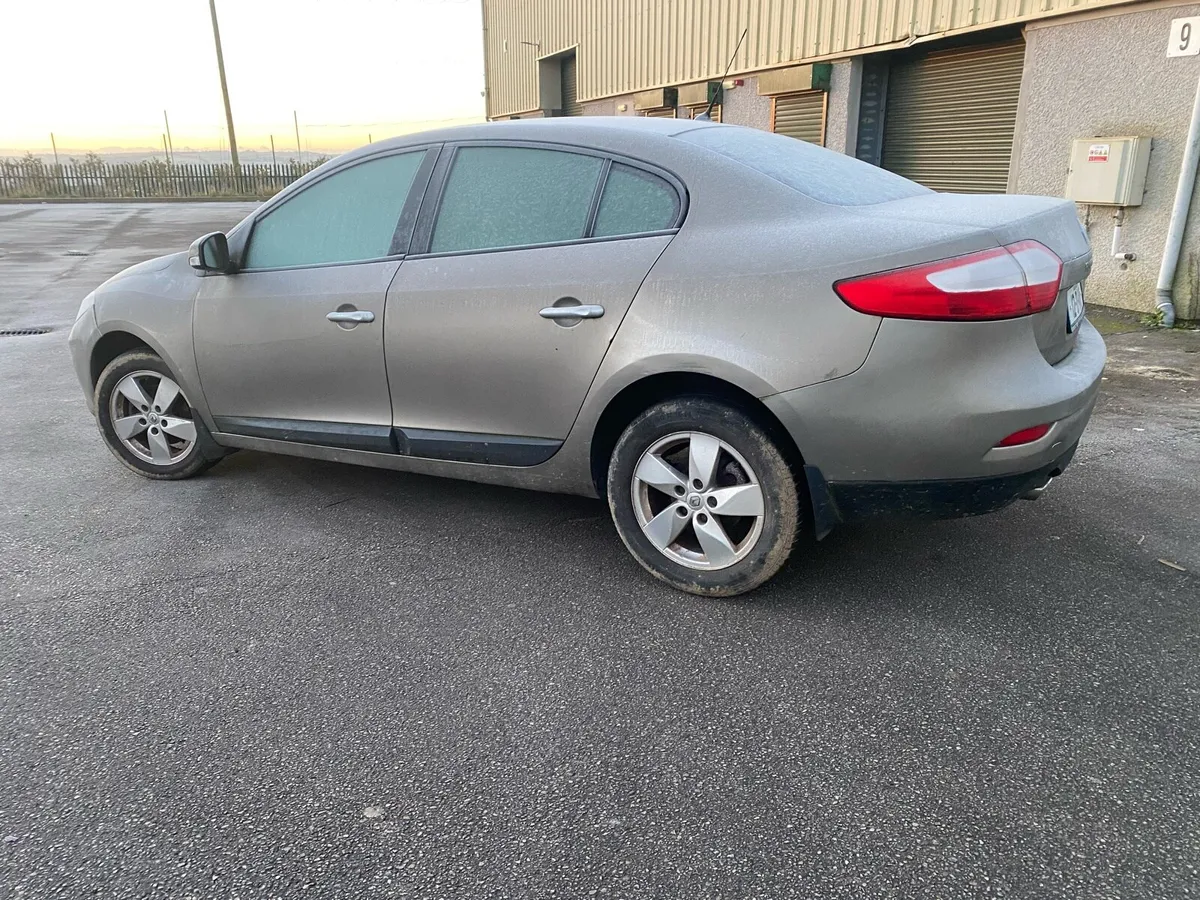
x=1179 y=215
x=1118 y=223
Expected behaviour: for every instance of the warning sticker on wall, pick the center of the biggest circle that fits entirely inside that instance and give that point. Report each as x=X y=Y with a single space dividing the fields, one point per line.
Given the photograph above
x=1098 y=153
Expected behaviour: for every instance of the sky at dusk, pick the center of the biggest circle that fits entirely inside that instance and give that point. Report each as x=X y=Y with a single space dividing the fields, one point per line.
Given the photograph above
x=99 y=74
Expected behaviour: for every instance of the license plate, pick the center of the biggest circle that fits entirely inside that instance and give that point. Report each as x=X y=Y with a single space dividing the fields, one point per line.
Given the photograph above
x=1074 y=306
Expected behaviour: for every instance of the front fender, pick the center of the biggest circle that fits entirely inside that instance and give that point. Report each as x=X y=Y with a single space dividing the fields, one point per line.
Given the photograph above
x=181 y=360
x=156 y=308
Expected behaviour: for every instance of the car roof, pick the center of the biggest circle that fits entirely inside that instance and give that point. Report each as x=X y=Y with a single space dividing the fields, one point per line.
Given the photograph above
x=582 y=130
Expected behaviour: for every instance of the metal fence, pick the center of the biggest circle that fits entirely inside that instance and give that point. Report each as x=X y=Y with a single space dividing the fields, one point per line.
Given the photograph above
x=31 y=179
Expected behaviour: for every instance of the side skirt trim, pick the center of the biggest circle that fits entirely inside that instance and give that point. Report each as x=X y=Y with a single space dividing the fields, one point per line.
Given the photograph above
x=347 y=435
x=463 y=446
x=426 y=443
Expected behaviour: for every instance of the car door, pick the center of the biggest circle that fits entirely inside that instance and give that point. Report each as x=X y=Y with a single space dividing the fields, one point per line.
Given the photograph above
x=501 y=315
x=290 y=346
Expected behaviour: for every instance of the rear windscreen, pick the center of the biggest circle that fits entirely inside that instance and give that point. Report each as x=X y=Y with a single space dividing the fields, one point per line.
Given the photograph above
x=814 y=171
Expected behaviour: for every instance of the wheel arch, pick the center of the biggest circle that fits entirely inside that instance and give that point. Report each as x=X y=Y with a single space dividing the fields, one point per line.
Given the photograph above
x=122 y=336
x=638 y=396
x=111 y=345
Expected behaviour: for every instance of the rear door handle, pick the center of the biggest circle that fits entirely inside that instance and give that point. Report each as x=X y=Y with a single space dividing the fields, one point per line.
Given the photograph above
x=352 y=316
x=586 y=311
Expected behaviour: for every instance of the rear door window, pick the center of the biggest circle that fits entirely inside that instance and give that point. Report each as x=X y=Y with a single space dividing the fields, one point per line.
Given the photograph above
x=349 y=216
x=499 y=197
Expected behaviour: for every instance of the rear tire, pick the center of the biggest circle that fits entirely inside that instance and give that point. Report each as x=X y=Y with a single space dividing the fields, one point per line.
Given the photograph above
x=148 y=423
x=703 y=497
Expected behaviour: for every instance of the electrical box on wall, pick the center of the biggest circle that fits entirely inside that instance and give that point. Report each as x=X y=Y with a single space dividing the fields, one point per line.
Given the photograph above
x=1108 y=171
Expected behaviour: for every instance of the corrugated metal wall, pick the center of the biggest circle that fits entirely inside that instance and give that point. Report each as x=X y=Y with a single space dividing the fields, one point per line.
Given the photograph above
x=632 y=45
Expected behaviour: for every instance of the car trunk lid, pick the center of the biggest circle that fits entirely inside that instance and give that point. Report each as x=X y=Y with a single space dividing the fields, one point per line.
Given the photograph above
x=1010 y=218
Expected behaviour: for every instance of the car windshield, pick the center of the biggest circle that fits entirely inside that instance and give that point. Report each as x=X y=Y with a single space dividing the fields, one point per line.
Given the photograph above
x=813 y=171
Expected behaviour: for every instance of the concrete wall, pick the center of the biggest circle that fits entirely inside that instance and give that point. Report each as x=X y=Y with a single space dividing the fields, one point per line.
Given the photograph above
x=601 y=108
x=841 y=113
x=743 y=106
x=1106 y=77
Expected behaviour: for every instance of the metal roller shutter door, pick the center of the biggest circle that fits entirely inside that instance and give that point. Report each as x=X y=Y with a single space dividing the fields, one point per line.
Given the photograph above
x=951 y=117
x=666 y=112
x=800 y=116
x=570 y=88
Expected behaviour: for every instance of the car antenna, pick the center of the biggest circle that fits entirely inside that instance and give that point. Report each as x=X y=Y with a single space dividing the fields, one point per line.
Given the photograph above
x=704 y=116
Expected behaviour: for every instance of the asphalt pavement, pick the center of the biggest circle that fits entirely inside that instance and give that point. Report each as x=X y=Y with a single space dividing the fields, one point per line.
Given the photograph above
x=293 y=678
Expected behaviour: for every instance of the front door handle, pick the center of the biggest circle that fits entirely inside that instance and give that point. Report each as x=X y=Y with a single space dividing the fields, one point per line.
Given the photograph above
x=351 y=316
x=586 y=311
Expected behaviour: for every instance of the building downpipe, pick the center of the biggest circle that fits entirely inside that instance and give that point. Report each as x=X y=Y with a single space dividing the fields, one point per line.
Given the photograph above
x=1163 y=298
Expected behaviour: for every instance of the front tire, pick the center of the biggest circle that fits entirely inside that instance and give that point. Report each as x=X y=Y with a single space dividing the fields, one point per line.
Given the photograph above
x=703 y=497
x=148 y=423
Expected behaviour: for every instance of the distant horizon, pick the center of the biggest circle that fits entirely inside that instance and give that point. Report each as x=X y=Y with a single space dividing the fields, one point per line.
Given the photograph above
x=347 y=138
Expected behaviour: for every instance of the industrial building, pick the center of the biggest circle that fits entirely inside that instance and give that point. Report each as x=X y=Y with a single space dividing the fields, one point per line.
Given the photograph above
x=1084 y=98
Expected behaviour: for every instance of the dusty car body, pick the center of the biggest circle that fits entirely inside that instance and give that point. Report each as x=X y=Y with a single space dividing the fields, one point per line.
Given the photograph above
x=899 y=350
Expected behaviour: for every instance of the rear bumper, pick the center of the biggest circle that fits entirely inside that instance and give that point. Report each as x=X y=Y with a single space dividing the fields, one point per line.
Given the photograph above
x=933 y=400
x=949 y=499
x=914 y=430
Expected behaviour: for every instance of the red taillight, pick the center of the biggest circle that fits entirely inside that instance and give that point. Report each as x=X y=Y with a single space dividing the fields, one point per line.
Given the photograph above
x=1025 y=436
x=1004 y=283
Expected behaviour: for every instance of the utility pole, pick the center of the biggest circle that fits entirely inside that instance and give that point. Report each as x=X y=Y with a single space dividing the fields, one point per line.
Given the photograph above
x=166 y=152
x=274 y=164
x=233 y=156
x=299 y=152
x=54 y=146
x=170 y=143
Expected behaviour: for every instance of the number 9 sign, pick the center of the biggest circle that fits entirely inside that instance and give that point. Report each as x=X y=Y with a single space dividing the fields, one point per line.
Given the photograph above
x=1185 y=37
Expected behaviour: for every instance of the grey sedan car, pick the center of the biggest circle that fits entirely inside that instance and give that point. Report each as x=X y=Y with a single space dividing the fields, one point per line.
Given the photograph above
x=734 y=337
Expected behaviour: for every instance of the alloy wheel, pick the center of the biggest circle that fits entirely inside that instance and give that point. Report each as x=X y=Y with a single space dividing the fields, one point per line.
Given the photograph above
x=697 y=500
x=152 y=418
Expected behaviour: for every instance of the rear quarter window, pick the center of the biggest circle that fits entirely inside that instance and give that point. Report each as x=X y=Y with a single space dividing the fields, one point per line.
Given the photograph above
x=635 y=202
x=818 y=173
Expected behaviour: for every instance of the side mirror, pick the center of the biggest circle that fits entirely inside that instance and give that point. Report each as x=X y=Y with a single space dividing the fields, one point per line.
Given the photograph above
x=210 y=253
